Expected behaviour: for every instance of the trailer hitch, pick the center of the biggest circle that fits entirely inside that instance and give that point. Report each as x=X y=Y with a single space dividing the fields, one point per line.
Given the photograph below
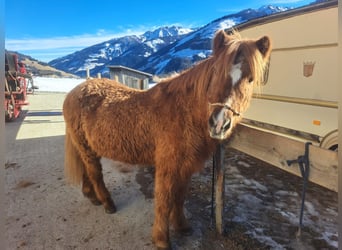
x=304 y=166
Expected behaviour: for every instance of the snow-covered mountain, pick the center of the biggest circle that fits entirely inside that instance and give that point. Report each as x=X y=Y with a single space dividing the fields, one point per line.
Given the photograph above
x=127 y=51
x=161 y=51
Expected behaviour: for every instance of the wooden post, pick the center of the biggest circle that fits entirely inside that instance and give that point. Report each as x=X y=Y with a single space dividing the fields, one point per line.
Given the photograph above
x=141 y=84
x=219 y=190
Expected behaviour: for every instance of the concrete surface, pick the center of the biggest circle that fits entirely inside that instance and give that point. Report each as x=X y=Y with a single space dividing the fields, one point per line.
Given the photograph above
x=45 y=213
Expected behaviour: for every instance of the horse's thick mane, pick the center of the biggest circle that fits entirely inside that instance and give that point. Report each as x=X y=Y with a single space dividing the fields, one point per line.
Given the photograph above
x=199 y=76
x=196 y=78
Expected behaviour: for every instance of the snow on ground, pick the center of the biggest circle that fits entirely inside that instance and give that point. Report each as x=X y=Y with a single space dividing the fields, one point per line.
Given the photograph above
x=63 y=85
x=267 y=201
x=46 y=84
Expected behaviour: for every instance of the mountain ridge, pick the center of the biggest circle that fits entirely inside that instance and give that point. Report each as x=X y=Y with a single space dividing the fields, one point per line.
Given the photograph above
x=126 y=51
x=38 y=68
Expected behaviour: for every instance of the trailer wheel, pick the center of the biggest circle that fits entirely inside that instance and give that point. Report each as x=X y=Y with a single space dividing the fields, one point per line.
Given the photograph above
x=330 y=141
x=8 y=116
x=10 y=109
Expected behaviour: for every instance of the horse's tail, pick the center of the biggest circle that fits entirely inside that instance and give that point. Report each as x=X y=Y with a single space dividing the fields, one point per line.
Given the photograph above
x=73 y=164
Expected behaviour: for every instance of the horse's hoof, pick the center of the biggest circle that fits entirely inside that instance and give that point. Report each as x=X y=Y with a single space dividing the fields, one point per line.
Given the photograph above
x=162 y=245
x=110 y=209
x=166 y=247
x=162 y=248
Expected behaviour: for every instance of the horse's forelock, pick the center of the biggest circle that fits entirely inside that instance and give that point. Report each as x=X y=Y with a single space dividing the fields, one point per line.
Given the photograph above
x=255 y=61
x=248 y=51
x=225 y=61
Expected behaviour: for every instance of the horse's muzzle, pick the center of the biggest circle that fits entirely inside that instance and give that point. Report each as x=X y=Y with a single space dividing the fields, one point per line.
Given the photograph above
x=220 y=126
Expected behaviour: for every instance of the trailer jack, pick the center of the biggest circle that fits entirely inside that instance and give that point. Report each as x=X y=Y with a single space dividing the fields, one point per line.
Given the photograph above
x=304 y=166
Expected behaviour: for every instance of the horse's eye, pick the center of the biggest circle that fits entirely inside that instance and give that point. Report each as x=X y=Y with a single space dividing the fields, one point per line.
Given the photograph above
x=250 y=80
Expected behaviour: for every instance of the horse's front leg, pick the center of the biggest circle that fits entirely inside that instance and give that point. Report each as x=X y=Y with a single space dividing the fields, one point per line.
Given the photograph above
x=177 y=217
x=163 y=193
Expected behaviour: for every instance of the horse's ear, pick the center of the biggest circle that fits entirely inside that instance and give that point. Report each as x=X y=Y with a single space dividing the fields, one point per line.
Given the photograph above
x=264 y=46
x=219 y=41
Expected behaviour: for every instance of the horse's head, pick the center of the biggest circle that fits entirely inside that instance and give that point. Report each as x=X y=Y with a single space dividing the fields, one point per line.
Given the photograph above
x=237 y=65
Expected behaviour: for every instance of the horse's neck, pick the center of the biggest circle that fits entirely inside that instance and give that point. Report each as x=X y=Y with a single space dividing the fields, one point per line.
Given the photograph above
x=195 y=107
x=182 y=94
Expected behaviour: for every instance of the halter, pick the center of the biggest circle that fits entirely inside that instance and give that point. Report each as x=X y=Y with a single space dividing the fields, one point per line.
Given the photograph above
x=226 y=106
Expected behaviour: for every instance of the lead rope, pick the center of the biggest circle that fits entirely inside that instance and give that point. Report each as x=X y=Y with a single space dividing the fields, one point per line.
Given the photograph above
x=304 y=166
x=212 y=192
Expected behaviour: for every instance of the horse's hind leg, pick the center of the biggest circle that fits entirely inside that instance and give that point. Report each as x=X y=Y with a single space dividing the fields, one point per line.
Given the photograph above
x=94 y=181
x=88 y=190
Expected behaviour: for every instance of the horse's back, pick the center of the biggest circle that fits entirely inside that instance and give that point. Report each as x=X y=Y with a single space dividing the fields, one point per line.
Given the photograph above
x=106 y=114
x=89 y=95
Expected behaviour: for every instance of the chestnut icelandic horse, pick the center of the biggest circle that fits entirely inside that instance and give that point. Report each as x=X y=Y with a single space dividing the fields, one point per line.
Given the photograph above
x=174 y=126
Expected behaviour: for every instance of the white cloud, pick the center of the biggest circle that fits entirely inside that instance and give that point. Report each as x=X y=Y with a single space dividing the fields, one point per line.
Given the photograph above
x=46 y=49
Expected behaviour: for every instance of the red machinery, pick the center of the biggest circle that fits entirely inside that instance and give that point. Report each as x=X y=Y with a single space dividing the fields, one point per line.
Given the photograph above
x=16 y=86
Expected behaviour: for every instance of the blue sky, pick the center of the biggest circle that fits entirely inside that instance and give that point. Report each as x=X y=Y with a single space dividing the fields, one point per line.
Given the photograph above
x=48 y=29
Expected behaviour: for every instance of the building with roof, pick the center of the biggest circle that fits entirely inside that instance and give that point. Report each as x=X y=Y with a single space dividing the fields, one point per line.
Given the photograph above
x=130 y=77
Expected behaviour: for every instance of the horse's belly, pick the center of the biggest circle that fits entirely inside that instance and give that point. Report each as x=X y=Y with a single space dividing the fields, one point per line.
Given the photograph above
x=131 y=155
x=122 y=145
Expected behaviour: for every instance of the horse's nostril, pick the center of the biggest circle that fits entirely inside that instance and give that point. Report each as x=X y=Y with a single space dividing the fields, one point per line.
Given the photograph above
x=226 y=125
x=212 y=121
